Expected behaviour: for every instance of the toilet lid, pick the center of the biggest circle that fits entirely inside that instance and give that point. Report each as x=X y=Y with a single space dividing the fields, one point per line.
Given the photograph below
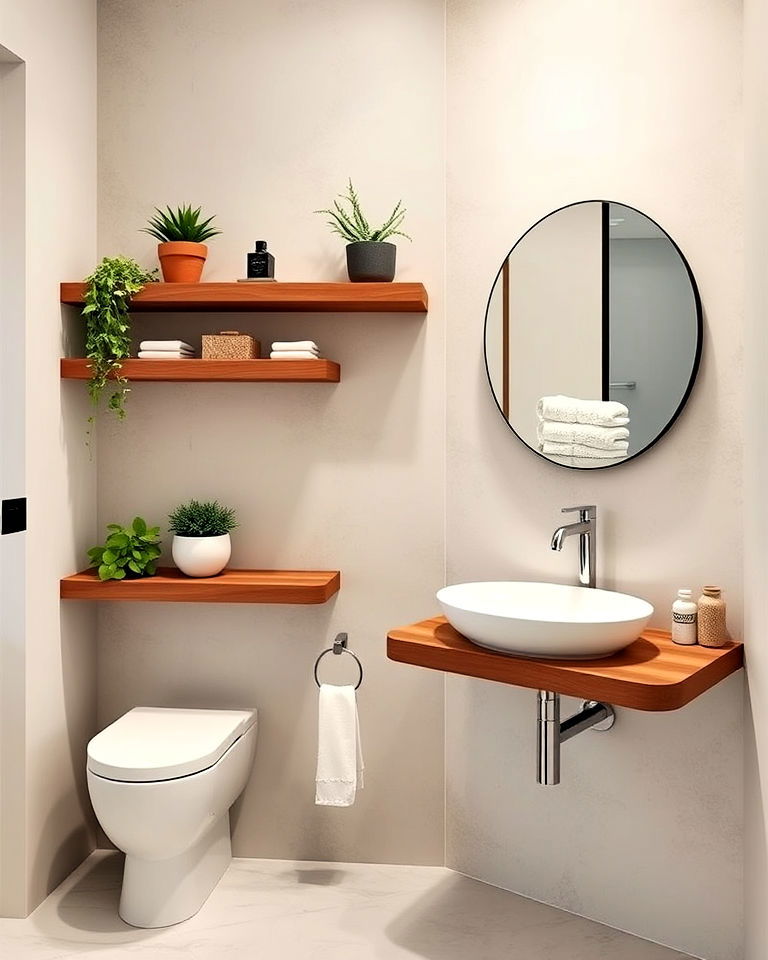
x=161 y=743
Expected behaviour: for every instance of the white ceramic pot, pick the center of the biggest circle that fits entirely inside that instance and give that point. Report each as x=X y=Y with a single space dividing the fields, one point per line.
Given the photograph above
x=201 y=556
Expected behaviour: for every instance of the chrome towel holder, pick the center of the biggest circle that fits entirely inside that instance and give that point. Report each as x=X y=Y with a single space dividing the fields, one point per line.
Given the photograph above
x=339 y=647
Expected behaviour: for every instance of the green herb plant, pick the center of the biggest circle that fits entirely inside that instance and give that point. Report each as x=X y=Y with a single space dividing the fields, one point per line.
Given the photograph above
x=348 y=220
x=108 y=333
x=195 y=519
x=129 y=552
x=183 y=223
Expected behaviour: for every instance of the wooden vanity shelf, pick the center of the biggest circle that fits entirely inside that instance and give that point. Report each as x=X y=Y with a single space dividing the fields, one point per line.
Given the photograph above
x=650 y=674
x=231 y=586
x=274 y=297
x=214 y=371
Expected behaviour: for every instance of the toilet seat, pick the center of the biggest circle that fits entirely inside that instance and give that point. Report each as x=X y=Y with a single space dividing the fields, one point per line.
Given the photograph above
x=162 y=743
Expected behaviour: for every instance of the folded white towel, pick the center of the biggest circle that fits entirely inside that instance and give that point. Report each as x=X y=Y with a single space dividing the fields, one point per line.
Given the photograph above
x=293 y=355
x=605 y=438
x=606 y=413
x=175 y=345
x=618 y=450
x=165 y=355
x=294 y=345
x=339 y=754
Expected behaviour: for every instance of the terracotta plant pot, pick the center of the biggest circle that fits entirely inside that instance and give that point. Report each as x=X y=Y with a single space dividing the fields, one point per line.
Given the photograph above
x=182 y=261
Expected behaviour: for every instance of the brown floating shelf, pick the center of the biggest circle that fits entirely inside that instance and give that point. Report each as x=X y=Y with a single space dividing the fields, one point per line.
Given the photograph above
x=304 y=297
x=231 y=586
x=650 y=674
x=218 y=371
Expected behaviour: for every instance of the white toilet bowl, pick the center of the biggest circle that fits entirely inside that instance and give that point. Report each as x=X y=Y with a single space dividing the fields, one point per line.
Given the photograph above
x=161 y=782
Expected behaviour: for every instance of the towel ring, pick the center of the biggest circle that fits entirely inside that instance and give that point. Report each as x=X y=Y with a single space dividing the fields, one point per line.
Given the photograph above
x=339 y=647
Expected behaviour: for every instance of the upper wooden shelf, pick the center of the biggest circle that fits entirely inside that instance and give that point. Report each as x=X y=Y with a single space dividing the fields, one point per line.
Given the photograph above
x=305 y=297
x=653 y=673
x=217 y=371
x=230 y=586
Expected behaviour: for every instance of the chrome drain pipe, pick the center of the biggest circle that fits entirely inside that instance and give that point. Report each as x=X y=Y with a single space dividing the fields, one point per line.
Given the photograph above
x=551 y=733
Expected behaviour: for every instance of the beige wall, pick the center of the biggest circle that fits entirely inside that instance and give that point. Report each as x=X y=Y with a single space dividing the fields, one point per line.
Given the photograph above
x=756 y=463
x=550 y=103
x=54 y=675
x=285 y=101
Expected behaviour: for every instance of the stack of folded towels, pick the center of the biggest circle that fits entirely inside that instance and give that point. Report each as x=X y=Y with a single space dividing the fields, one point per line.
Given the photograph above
x=583 y=429
x=165 y=350
x=294 y=350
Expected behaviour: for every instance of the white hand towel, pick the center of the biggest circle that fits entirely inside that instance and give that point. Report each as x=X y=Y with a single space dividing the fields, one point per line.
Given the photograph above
x=293 y=355
x=619 y=450
x=339 y=754
x=164 y=355
x=295 y=345
x=605 y=438
x=605 y=413
x=175 y=345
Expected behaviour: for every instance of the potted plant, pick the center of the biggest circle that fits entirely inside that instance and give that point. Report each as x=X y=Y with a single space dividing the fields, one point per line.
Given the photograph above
x=182 y=251
x=107 y=325
x=128 y=552
x=201 y=543
x=370 y=258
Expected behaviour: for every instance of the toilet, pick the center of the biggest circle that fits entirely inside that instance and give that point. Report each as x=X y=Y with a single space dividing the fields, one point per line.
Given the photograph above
x=161 y=782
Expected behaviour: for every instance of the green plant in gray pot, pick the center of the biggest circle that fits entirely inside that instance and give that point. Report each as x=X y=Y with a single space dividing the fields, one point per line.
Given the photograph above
x=370 y=259
x=201 y=543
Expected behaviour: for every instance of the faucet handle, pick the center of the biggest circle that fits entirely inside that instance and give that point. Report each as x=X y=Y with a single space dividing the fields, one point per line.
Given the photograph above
x=588 y=512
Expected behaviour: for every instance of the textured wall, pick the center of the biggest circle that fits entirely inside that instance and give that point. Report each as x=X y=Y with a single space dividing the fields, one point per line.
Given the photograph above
x=638 y=102
x=285 y=101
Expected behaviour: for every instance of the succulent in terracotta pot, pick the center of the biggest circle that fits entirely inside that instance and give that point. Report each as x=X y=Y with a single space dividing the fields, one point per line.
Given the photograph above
x=370 y=258
x=182 y=251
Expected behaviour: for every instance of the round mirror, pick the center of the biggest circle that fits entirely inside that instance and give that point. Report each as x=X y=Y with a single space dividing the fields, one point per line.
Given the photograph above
x=593 y=335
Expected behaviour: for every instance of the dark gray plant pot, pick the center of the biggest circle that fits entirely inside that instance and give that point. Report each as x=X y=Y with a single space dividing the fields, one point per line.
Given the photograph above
x=369 y=261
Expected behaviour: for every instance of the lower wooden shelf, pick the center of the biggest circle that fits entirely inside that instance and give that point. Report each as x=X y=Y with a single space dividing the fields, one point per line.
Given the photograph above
x=215 y=371
x=653 y=673
x=230 y=586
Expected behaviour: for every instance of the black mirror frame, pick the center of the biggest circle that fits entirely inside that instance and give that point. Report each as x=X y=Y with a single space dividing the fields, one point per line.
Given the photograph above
x=696 y=360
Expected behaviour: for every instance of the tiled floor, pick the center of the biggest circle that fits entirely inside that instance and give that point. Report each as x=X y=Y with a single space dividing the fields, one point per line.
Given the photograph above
x=280 y=910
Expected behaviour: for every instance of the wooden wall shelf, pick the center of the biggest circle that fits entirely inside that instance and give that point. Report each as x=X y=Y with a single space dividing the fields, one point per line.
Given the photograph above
x=651 y=674
x=231 y=586
x=276 y=297
x=217 y=371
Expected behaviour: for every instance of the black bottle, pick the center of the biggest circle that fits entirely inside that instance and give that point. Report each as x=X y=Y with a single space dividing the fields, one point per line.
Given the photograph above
x=261 y=263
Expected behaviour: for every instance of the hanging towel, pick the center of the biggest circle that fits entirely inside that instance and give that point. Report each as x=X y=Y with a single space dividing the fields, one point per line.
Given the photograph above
x=587 y=434
x=293 y=355
x=175 y=345
x=165 y=355
x=605 y=413
x=618 y=450
x=295 y=345
x=339 y=755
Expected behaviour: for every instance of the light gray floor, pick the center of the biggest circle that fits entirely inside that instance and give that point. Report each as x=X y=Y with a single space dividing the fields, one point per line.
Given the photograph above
x=281 y=910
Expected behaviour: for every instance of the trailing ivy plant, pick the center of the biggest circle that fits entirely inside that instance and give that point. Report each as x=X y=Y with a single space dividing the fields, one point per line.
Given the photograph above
x=348 y=220
x=128 y=552
x=183 y=223
x=108 y=333
x=195 y=519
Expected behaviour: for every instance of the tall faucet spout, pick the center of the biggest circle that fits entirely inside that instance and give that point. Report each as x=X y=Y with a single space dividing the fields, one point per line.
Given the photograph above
x=558 y=538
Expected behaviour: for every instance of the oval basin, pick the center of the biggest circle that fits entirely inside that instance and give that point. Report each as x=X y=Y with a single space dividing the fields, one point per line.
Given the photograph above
x=549 y=620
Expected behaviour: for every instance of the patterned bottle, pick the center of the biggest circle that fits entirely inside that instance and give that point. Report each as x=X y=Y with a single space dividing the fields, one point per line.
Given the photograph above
x=684 y=612
x=712 y=629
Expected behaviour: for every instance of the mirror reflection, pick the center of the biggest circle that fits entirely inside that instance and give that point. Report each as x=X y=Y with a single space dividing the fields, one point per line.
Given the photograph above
x=592 y=335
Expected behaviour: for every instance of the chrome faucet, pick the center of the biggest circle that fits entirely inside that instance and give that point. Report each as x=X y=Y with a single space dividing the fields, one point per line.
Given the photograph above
x=586 y=527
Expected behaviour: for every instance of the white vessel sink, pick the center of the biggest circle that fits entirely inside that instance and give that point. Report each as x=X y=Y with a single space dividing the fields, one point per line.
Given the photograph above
x=544 y=619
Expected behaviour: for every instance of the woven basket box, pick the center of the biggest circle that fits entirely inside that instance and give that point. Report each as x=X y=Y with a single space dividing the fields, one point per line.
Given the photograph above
x=230 y=345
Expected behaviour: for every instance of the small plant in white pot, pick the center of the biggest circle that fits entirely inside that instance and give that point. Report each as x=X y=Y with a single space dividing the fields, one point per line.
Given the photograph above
x=201 y=543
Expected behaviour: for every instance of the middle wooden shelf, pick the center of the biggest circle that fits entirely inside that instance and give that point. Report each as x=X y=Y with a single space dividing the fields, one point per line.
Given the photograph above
x=231 y=586
x=214 y=371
